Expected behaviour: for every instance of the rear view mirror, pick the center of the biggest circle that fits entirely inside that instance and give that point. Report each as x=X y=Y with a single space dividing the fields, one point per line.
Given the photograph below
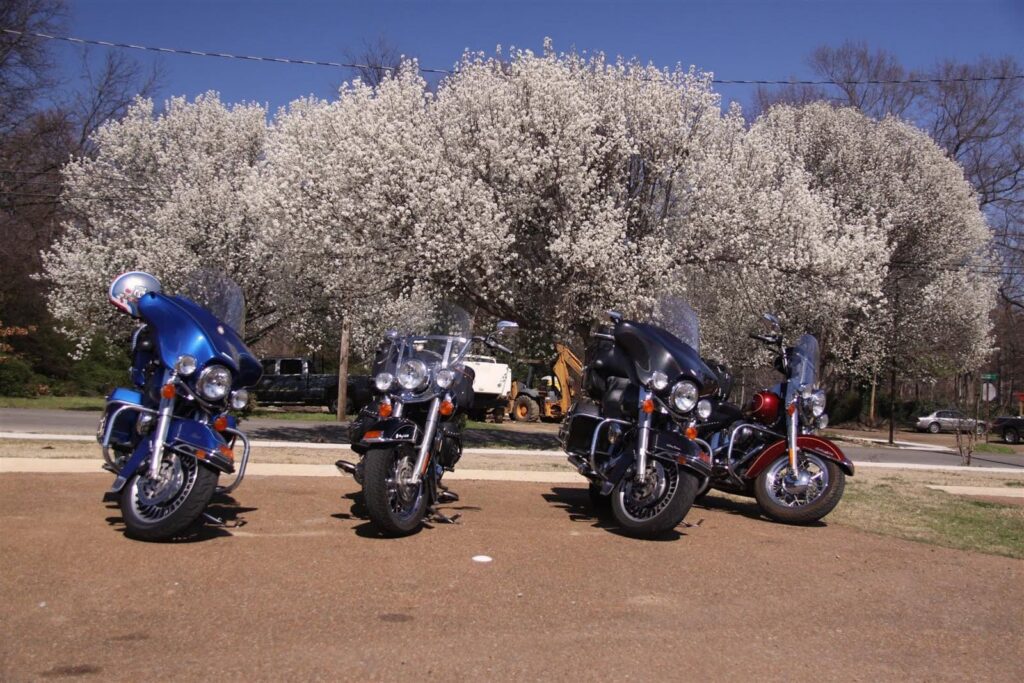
x=772 y=319
x=507 y=326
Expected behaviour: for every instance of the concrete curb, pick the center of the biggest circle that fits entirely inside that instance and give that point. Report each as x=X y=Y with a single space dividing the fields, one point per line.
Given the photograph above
x=984 y=491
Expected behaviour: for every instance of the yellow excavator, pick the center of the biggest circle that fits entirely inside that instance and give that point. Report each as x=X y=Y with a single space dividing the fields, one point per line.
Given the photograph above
x=549 y=388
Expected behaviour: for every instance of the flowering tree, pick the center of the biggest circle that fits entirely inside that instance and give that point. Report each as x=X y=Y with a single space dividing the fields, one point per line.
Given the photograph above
x=166 y=194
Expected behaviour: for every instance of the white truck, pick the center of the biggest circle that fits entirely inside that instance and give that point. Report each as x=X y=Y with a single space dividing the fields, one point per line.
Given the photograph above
x=491 y=387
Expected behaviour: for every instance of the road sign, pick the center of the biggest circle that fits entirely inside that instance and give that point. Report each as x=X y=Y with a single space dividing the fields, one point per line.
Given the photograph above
x=988 y=391
x=990 y=377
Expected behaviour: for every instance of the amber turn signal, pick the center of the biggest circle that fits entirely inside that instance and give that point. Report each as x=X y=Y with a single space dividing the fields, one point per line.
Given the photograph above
x=648 y=405
x=227 y=453
x=220 y=424
x=691 y=432
x=384 y=410
x=447 y=408
x=791 y=409
x=168 y=391
x=375 y=434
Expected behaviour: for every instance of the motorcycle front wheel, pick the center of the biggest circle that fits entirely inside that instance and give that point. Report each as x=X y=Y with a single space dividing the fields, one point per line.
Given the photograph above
x=652 y=507
x=395 y=507
x=160 y=508
x=797 y=502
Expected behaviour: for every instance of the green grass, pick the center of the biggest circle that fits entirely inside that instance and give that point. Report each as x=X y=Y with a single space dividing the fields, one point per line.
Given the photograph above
x=911 y=511
x=993 y=448
x=54 y=402
x=297 y=416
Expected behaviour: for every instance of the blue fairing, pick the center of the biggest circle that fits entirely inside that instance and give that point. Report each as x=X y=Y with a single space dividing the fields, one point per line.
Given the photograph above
x=183 y=327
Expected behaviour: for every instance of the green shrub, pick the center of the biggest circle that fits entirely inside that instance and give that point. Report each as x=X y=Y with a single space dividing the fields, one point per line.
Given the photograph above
x=16 y=377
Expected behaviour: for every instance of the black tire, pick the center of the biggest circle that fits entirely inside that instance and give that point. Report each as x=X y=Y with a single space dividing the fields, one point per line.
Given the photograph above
x=395 y=511
x=934 y=428
x=525 y=409
x=181 y=509
x=806 y=513
x=665 y=509
x=1011 y=435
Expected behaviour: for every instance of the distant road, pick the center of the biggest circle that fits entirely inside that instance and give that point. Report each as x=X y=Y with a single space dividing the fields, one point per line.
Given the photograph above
x=84 y=422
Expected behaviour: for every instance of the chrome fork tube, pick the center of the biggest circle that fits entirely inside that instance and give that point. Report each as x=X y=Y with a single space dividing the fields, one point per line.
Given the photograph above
x=428 y=438
x=642 y=437
x=163 y=424
x=794 y=429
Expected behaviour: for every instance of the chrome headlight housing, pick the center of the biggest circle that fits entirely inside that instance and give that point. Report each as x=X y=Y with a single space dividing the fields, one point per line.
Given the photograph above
x=239 y=399
x=412 y=374
x=684 y=396
x=816 y=401
x=383 y=381
x=214 y=383
x=185 y=365
x=445 y=377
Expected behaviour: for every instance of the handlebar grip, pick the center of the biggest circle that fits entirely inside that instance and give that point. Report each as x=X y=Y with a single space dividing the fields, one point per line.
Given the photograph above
x=500 y=347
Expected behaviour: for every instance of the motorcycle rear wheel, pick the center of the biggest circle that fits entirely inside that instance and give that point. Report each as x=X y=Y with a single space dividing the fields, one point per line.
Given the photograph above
x=161 y=509
x=650 y=509
x=802 y=509
x=396 y=509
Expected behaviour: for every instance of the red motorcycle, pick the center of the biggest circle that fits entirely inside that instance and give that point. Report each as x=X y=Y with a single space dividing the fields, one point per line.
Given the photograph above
x=769 y=448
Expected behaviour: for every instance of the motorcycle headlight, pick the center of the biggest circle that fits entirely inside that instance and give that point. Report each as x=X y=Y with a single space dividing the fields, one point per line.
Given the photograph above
x=383 y=381
x=684 y=396
x=214 y=383
x=185 y=365
x=703 y=409
x=412 y=374
x=445 y=378
x=659 y=380
x=817 y=403
x=239 y=399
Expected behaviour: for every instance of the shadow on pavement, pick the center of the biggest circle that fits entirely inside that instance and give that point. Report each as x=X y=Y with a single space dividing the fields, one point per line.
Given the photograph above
x=576 y=502
x=744 y=508
x=221 y=506
x=337 y=432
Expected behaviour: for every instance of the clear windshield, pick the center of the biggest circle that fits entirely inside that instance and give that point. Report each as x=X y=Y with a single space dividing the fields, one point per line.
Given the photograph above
x=678 y=317
x=219 y=294
x=803 y=366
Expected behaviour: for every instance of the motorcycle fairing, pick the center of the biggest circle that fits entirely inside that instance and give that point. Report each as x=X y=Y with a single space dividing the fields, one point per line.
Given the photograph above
x=184 y=436
x=391 y=430
x=817 y=444
x=653 y=349
x=183 y=327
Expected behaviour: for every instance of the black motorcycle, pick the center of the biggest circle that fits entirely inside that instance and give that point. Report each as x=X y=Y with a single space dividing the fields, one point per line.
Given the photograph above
x=413 y=434
x=769 y=448
x=629 y=439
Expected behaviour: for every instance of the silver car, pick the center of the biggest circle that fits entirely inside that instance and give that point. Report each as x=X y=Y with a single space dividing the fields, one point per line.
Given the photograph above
x=948 y=421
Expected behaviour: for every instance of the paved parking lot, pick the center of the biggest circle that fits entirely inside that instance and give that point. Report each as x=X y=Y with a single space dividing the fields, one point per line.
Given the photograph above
x=306 y=590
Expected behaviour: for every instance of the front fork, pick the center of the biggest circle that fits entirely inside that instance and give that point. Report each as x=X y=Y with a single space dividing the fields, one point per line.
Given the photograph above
x=794 y=431
x=428 y=438
x=163 y=423
x=643 y=426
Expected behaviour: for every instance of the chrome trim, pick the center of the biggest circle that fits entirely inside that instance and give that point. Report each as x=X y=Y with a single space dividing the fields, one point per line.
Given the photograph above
x=163 y=424
x=597 y=433
x=643 y=424
x=240 y=473
x=729 y=465
x=428 y=437
x=109 y=428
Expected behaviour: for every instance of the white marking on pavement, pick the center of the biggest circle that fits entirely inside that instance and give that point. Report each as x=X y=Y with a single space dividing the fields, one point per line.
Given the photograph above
x=482 y=558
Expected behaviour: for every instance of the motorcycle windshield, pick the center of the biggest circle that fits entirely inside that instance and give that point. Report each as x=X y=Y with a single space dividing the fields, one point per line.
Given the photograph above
x=219 y=294
x=803 y=365
x=678 y=318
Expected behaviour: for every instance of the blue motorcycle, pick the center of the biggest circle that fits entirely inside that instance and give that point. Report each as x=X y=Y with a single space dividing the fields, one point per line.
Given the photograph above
x=168 y=438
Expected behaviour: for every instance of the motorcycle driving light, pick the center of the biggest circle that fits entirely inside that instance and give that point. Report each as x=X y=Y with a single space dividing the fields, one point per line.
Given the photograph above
x=144 y=423
x=412 y=374
x=445 y=378
x=703 y=409
x=684 y=396
x=659 y=380
x=239 y=399
x=214 y=383
x=383 y=381
x=817 y=403
x=185 y=365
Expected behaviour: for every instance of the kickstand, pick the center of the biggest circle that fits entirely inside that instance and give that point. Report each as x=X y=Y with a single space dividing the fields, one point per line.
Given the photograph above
x=220 y=522
x=439 y=516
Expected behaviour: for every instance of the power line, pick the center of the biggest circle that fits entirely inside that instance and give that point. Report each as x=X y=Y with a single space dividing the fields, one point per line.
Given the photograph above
x=343 y=65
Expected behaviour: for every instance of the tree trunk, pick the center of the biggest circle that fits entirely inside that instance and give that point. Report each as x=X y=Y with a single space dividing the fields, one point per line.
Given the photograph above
x=871 y=406
x=892 y=405
x=343 y=369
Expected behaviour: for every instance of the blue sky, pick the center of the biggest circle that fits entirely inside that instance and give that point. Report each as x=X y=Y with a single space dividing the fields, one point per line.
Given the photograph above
x=734 y=39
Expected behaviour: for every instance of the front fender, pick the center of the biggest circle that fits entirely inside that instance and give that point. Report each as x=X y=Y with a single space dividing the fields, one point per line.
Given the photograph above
x=675 y=447
x=186 y=437
x=819 y=445
x=387 y=431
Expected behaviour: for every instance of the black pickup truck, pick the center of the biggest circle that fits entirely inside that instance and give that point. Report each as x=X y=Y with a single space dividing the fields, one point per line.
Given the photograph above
x=293 y=382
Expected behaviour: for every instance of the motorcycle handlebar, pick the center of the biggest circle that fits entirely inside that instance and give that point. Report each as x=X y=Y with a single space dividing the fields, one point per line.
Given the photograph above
x=498 y=346
x=765 y=338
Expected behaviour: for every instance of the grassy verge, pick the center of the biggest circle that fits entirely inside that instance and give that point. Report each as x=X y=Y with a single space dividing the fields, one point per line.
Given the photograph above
x=54 y=402
x=901 y=505
x=993 y=448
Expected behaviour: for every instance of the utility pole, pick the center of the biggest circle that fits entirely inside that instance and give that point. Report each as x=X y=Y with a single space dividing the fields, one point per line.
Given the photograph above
x=892 y=403
x=346 y=329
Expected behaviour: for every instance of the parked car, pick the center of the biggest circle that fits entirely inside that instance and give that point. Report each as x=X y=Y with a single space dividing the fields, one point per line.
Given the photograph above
x=294 y=382
x=948 y=421
x=1009 y=428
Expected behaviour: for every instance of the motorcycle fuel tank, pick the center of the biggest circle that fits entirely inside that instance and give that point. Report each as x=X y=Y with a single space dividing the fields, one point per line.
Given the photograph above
x=764 y=407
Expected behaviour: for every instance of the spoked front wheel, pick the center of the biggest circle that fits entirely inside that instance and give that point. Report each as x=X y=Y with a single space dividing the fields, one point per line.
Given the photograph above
x=658 y=503
x=395 y=506
x=805 y=497
x=158 y=508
